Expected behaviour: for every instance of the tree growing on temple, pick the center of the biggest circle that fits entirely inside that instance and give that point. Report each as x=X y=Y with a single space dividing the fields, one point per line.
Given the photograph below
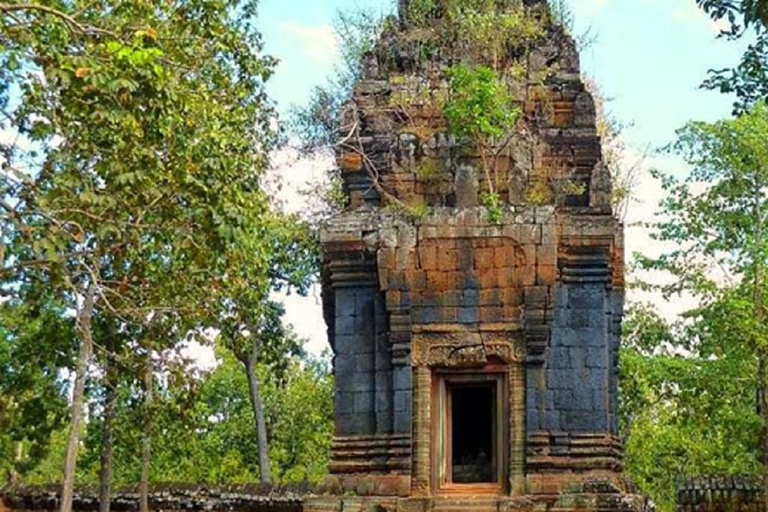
x=479 y=108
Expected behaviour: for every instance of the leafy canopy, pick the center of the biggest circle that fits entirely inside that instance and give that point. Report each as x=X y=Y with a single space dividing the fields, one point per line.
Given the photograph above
x=686 y=401
x=717 y=215
x=689 y=390
x=143 y=133
x=748 y=81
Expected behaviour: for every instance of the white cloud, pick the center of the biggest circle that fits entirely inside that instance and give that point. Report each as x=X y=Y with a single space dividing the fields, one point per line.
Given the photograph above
x=203 y=356
x=315 y=41
x=305 y=314
x=688 y=13
x=644 y=209
x=293 y=184
x=595 y=6
x=294 y=181
x=7 y=136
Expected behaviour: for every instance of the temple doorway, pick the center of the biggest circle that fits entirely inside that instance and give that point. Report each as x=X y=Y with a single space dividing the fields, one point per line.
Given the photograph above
x=471 y=431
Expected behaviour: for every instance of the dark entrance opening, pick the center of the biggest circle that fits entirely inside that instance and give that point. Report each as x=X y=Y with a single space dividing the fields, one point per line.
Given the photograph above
x=473 y=429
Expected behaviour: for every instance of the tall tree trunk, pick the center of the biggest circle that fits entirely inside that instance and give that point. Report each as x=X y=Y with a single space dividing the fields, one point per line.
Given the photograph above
x=107 y=435
x=258 y=410
x=84 y=318
x=146 y=443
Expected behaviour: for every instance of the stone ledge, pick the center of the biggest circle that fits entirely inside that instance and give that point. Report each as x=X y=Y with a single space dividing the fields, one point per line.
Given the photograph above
x=720 y=494
x=178 y=497
x=612 y=499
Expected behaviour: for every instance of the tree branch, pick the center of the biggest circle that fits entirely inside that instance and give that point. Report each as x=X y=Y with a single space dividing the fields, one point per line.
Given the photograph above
x=73 y=25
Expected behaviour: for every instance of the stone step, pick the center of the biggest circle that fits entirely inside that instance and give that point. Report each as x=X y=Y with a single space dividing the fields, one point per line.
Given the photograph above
x=466 y=504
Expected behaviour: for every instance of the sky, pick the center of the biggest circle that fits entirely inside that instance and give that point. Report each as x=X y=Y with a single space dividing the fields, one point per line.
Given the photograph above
x=647 y=56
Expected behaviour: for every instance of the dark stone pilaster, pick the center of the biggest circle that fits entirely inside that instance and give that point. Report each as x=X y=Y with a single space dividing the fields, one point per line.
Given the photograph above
x=355 y=362
x=385 y=406
x=352 y=287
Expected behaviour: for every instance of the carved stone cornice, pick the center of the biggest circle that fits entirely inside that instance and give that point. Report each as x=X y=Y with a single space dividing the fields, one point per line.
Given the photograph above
x=466 y=349
x=364 y=454
x=575 y=451
x=585 y=264
x=353 y=273
x=537 y=317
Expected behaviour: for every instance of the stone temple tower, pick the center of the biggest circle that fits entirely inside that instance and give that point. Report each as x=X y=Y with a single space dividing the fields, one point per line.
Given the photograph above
x=475 y=358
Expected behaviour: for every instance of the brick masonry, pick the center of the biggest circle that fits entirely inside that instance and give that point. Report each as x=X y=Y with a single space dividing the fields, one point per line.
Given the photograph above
x=723 y=494
x=539 y=292
x=179 y=497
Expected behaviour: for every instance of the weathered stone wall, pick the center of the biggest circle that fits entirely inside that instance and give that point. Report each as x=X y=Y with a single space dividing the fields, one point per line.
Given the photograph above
x=395 y=132
x=541 y=288
x=572 y=423
x=246 y=498
x=726 y=494
x=537 y=292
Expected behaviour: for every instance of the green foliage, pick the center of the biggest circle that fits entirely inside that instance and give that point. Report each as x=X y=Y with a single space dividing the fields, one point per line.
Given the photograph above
x=48 y=469
x=214 y=409
x=144 y=134
x=686 y=401
x=301 y=415
x=429 y=170
x=495 y=35
x=491 y=33
x=480 y=30
x=539 y=192
x=479 y=106
x=741 y=15
x=418 y=208
x=718 y=215
x=150 y=185
x=692 y=386
x=36 y=344
x=698 y=412
x=415 y=209
x=421 y=12
x=480 y=110
x=748 y=81
x=494 y=209
x=150 y=188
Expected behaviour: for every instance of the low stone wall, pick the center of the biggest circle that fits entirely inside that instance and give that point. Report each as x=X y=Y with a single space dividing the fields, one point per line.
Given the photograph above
x=249 y=498
x=727 y=494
